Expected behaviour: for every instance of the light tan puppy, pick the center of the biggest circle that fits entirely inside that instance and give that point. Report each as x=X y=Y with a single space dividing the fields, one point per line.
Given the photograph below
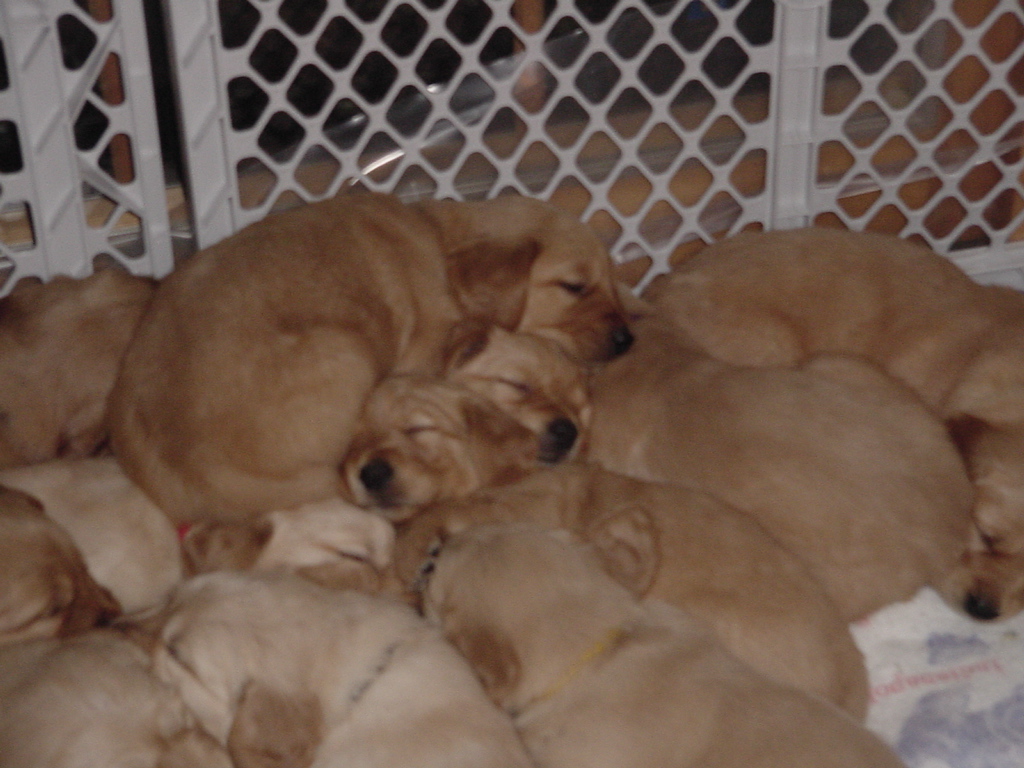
x=594 y=677
x=421 y=438
x=60 y=345
x=779 y=297
x=331 y=542
x=273 y=664
x=92 y=701
x=529 y=377
x=127 y=543
x=240 y=392
x=45 y=588
x=842 y=464
x=683 y=547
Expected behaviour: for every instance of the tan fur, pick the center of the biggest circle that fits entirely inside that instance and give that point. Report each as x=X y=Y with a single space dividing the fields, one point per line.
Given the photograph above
x=46 y=589
x=432 y=439
x=128 y=544
x=776 y=298
x=240 y=392
x=683 y=547
x=529 y=377
x=362 y=681
x=843 y=465
x=594 y=677
x=91 y=700
x=60 y=345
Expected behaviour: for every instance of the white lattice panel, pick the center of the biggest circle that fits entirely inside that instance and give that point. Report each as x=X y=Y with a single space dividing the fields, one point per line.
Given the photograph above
x=919 y=128
x=81 y=176
x=664 y=125
x=650 y=121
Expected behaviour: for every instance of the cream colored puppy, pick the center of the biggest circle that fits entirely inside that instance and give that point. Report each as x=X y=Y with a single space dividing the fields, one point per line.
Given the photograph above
x=592 y=676
x=92 y=701
x=61 y=343
x=779 y=297
x=128 y=544
x=330 y=542
x=683 y=547
x=46 y=589
x=843 y=465
x=273 y=664
x=422 y=438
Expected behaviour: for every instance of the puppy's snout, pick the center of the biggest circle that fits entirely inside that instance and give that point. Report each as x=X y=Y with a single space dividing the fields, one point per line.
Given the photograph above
x=559 y=438
x=376 y=474
x=980 y=606
x=621 y=340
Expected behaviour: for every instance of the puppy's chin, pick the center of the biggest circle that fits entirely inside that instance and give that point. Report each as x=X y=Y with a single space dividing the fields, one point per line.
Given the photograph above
x=397 y=500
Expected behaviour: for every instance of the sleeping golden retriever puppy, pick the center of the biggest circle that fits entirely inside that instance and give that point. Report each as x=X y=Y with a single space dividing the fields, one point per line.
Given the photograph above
x=331 y=542
x=683 y=547
x=92 y=700
x=45 y=588
x=842 y=464
x=780 y=297
x=127 y=543
x=529 y=377
x=60 y=345
x=273 y=664
x=240 y=392
x=422 y=438
x=592 y=676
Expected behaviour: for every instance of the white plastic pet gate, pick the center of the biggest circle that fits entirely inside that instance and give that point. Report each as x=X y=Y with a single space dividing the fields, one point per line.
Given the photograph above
x=663 y=124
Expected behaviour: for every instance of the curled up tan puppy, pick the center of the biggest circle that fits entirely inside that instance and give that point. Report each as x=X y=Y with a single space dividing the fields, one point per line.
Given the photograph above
x=777 y=298
x=683 y=547
x=240 y=392
x=842 y=464
x=508 y=403
x=61 y=343
x=592 y=676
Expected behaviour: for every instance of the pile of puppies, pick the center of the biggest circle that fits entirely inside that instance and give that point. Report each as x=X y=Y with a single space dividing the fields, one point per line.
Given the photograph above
x=369 y=484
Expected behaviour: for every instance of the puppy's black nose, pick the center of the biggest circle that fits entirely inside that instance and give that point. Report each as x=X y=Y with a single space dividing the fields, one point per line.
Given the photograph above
x=376 y=474
x=980 y=607
x=559 y=438
x=622 y=340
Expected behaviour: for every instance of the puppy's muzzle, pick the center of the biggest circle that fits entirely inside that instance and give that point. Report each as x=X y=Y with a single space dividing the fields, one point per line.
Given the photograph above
x=979 y=604
x=621 y=340
x=558 y=439
x=376 y=474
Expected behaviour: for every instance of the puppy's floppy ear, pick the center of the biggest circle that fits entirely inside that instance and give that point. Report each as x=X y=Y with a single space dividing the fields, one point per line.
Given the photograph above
x=493 y=658
x=965 y=431
x=13 y=500
x=210 y=546
x=626 y=541
x=466 y=340
x=272 y=729
x=490 y=280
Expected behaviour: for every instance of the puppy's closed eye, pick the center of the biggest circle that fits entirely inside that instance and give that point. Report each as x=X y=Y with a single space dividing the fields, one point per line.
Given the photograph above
x=574 y=287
